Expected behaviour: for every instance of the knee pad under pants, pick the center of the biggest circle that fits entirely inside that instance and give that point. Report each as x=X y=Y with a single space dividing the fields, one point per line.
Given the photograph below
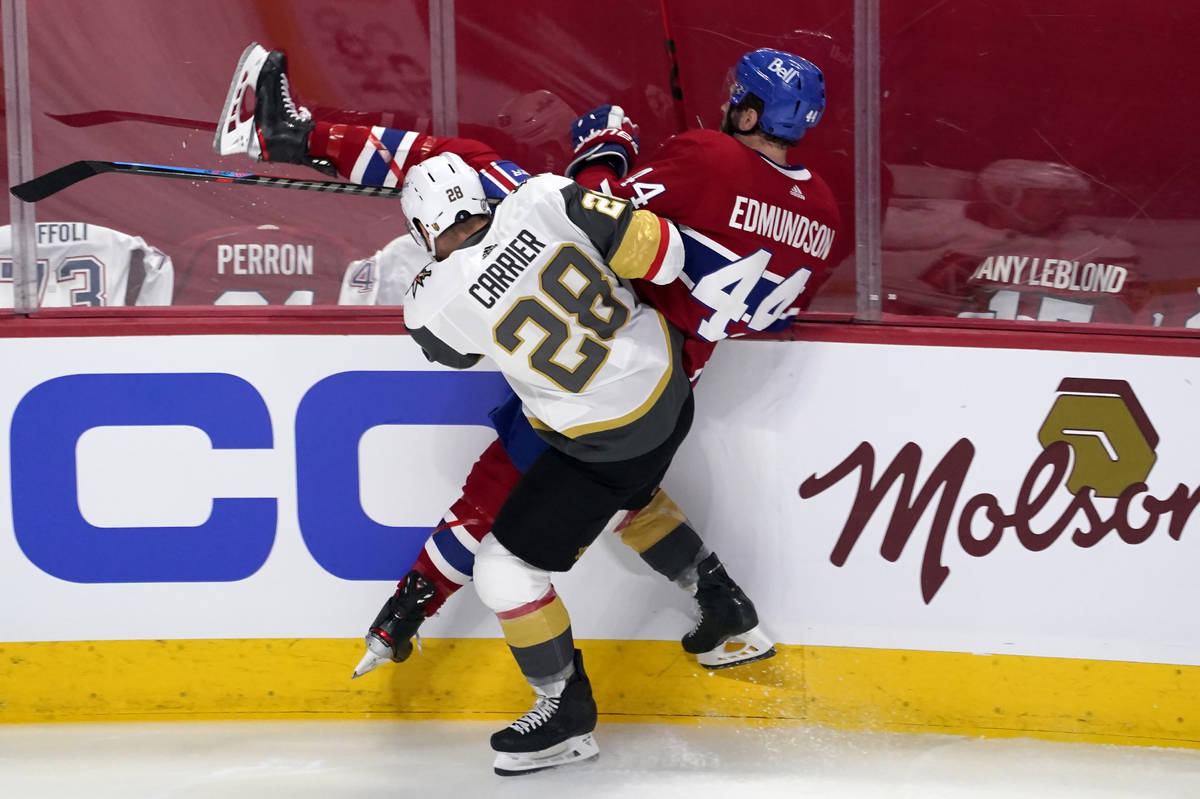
x=504 y=581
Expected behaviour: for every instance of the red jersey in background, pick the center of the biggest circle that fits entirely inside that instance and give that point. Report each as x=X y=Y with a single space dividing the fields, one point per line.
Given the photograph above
x=262 y=265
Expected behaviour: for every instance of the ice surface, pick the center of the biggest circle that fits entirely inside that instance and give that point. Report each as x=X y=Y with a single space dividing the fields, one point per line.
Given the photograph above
x=361 y=759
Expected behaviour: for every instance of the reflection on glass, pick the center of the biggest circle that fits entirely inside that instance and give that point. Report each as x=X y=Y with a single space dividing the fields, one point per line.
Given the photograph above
x=383 y=278
x=1015 y=244
x=262 y=265
x=536 y=123
x=80 y=264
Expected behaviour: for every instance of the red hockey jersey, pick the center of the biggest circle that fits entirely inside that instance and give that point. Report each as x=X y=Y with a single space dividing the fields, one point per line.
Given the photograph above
x=759 y=236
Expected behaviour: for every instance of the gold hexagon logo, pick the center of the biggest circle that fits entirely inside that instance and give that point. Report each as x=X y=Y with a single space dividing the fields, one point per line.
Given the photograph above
x=1108 y=430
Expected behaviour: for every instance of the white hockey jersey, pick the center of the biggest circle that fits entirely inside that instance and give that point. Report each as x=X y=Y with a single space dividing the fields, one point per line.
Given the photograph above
x=384 y=278
x=81 y=264
x=539 y=291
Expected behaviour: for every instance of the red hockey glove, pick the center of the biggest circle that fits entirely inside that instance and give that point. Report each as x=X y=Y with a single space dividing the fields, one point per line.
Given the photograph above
x=603 y=135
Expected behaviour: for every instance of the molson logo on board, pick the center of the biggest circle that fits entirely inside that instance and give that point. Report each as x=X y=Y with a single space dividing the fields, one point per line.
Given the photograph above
x=1100 y=422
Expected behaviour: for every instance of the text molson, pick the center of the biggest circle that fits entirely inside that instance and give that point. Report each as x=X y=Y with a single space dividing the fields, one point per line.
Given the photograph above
x=949 y=475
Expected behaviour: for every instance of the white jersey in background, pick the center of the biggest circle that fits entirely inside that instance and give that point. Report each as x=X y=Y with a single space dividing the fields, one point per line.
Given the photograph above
x=539 y=291
x=384 y=278
x=81 y=264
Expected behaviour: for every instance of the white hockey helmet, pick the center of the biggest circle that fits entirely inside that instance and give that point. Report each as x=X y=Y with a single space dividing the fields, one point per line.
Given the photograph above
x=437 y=193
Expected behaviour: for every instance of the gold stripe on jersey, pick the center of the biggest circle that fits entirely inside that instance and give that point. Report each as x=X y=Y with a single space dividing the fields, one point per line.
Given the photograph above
x=653 y=523
x=641 y=246
x=636 y=413
x=542 y=625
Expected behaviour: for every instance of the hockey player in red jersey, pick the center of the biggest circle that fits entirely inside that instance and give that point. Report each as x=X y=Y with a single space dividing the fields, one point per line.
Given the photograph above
x=756 y=251
x=759 y=232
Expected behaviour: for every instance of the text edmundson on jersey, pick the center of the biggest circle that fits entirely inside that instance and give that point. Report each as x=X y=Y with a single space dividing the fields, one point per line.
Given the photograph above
x=780 y=224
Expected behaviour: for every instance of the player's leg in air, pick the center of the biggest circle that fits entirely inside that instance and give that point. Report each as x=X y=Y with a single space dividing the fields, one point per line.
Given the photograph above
x=261 y=119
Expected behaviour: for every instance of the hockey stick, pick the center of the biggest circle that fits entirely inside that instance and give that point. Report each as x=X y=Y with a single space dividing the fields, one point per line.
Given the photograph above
x=676 y=88
x=56 y=180
x=86 y=119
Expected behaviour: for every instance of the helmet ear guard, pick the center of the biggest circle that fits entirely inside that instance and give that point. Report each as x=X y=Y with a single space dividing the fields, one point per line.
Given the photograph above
x=791 y=88
x=438 y=193
x=417 y=231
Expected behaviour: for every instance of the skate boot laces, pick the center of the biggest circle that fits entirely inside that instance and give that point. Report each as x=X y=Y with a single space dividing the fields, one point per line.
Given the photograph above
x=543 y=710
x=289 y=104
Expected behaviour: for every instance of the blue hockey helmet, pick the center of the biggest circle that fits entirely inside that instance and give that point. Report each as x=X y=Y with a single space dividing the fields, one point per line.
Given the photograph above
x=791 y=88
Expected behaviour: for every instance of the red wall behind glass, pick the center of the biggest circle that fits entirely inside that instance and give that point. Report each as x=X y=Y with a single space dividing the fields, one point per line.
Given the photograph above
x=1092 y=83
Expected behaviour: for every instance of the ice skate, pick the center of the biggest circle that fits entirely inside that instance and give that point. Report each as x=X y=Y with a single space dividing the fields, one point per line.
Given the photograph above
x=728 y=633
x=260 y=118
x=557 y=731
x=391 y=634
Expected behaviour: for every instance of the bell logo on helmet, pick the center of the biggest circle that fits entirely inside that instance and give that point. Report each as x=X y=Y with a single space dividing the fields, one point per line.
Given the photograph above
x=779 y=69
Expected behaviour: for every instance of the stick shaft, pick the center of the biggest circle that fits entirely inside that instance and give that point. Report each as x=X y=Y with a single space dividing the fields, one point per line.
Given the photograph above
x=675 y=86
x=56 y=180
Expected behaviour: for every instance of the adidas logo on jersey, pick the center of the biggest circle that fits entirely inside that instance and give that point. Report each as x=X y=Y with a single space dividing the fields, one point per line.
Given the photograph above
x=795 y=192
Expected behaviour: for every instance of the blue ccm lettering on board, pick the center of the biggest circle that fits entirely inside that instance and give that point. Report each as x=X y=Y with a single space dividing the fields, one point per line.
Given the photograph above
x=237 y=537
x=332 y=418
x=50 y=529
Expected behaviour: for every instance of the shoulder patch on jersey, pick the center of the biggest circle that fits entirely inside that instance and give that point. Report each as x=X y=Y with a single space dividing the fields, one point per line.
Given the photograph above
x=419 y=281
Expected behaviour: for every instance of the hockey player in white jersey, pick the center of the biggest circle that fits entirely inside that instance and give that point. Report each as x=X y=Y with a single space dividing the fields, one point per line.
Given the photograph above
x=536 y=286
x=84 y=265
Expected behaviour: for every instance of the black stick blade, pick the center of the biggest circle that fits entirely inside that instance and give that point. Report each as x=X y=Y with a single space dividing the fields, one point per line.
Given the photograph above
x=56 y=180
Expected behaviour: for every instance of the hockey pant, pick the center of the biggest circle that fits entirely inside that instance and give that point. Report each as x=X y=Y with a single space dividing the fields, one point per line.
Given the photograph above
x=659 y=532
x=558 y=508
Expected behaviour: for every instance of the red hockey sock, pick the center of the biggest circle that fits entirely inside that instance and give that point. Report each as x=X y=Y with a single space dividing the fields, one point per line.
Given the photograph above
x=448 y=558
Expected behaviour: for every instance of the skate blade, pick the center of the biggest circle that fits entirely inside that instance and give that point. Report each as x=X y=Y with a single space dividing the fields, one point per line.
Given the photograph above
x=738 y=650
x=234 y=134
x=370 y=661
x=378 y=653
x=579 y=749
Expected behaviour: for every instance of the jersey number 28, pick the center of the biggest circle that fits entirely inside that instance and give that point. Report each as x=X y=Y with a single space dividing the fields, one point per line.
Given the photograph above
x=580 y=305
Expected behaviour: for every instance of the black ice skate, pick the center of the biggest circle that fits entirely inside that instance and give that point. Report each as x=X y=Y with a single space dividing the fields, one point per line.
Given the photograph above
x=727 y=633
x=558 y=730
x=260 y=118
x=390 y=636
